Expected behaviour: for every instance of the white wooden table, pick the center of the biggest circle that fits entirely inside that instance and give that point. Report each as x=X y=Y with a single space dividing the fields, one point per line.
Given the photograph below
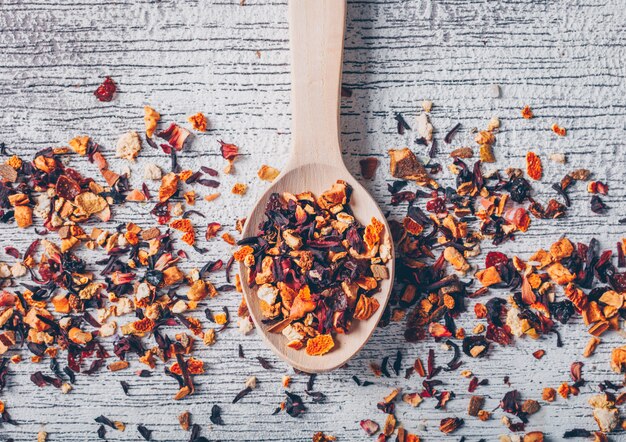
x=564 y=58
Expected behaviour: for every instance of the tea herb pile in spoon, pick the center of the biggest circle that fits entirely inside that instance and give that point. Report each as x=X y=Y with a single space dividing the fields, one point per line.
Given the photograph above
x=315 y=267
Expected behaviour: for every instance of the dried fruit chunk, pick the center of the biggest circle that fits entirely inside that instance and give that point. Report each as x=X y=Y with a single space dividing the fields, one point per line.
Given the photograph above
x=559 y=130
x=79 y=144
x=390 y=425
x=618 y=359
x=90 y=203
x=184 y=419
x=239 y=189
x=128 y=146
x=475 y=405
x=368 y=167
x=404 y=164
x=268 y=173
x=527 y=113
x=486 y=153
x=530 y=406
x=590 y=348
x=462 y=152
x=67 y=188
x=23 y=216
x=456 y=259
x=534 y=168
x=489 y=276
x=485 y=137
x=424 y=127
x=185 y=226
x=106 y=90
x=198 y=122
x=302 y=304
x=365 y=308
x=211 y=230
x=136 y=195
x=369 y=426
x=413 y=399
x=372 y=232
x=169 y=186
x=560 y=274
x=78 y=336
x=319 y=345
x=548 y=394
x=563 y=248
x=150 y=119
x=533 y=436
x=195 y=367
x=450 y=424
x=605 y=413
x=336 y=195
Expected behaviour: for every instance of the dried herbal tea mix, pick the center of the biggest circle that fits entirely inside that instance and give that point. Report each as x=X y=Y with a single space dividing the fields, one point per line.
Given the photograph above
x=315 y=268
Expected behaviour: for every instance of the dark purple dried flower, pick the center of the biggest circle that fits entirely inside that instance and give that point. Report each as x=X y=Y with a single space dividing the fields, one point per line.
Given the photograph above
x=294 y=405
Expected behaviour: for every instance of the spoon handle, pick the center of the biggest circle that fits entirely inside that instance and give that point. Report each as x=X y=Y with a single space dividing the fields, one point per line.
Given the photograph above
x=317 y=29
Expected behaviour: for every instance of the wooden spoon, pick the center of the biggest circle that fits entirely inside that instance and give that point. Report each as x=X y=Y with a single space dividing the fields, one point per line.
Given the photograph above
x=317 y=30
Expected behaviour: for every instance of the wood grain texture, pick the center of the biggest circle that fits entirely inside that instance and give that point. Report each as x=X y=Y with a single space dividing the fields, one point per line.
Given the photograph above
x=565 y=58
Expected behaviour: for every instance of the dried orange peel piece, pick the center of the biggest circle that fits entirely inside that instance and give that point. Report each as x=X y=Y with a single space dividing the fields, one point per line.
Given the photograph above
x=195 y=366
x=319 y=345
x=169 y=186
x=302 y=304
x=241 y=254
x=372 y=233
x=185 y=226
x=150 y=119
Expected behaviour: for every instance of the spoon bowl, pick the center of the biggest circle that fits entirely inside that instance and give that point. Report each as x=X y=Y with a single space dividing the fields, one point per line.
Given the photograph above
x=315 y=178
x=317 y=30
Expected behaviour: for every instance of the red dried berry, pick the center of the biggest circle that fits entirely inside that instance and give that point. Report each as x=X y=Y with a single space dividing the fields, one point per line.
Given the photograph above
x=67 y=188
x=437 y=205
x=495 y=259
x=106 y=90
